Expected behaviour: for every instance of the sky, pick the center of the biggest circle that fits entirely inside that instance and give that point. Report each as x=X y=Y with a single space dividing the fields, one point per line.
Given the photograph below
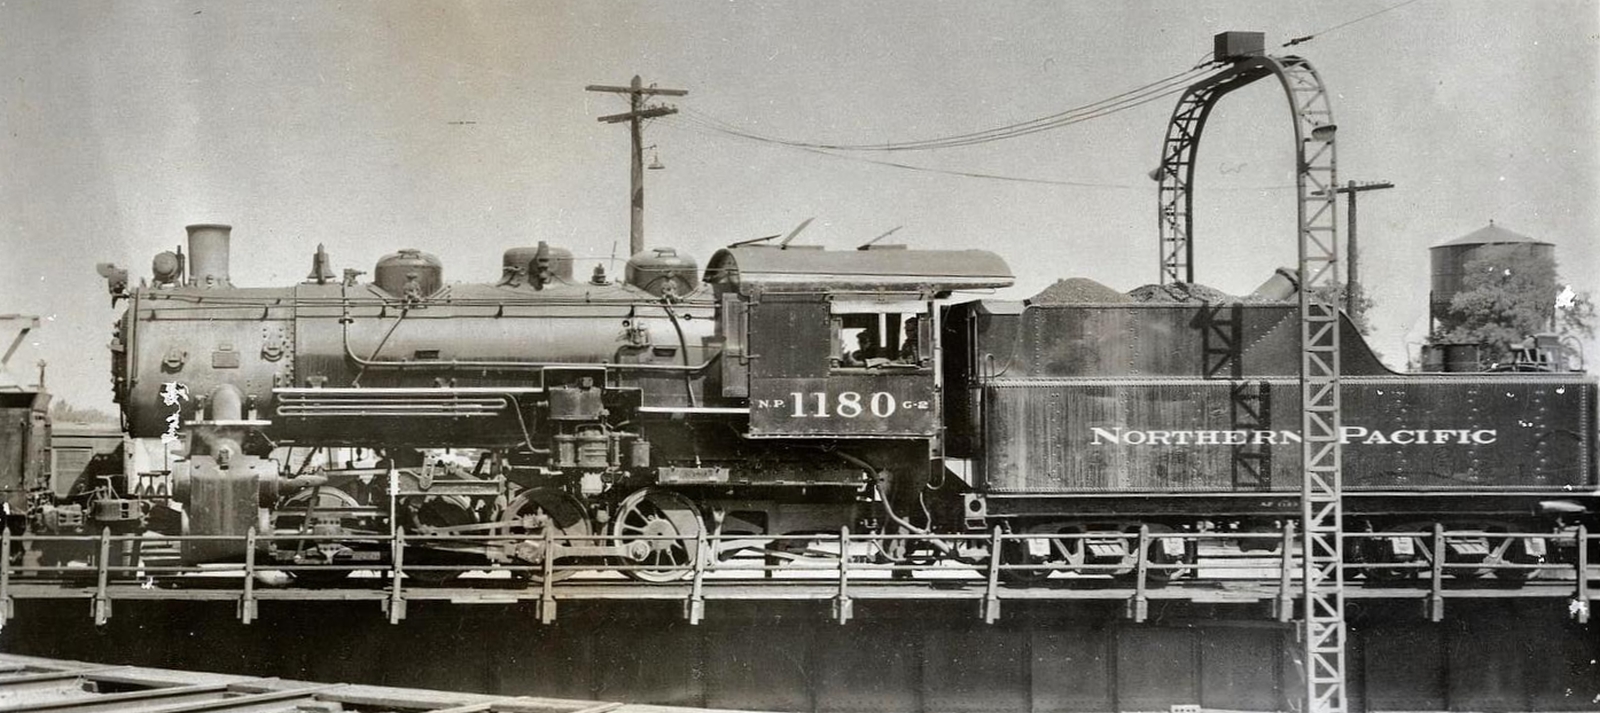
x=463 y=128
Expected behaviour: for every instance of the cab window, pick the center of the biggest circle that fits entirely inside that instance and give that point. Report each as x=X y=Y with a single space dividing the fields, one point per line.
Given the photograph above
x=873 y=336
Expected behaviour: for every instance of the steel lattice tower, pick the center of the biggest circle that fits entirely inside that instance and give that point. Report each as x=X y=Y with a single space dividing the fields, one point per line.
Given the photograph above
x=1321 y=514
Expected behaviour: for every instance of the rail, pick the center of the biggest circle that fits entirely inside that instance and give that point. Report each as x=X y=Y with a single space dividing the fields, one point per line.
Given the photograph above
x=838 y=568
x=39 y=685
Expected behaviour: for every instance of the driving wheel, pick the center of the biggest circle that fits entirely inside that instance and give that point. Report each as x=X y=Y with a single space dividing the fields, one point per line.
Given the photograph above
x=659 y=529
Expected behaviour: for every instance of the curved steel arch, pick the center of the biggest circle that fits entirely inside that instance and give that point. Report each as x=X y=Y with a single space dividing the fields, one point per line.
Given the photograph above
x=1321 y=513
x=1314 y=143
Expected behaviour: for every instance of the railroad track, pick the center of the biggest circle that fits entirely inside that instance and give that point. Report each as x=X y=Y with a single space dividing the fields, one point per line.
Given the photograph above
x=36 y=685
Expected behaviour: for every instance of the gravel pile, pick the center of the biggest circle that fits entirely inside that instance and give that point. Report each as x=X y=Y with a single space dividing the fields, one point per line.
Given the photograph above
x=1078 y=290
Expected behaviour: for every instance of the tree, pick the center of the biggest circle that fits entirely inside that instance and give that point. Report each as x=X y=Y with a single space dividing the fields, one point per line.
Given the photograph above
x=1509 y=292
x=1575 y=313
x=63 y=412
x=1335 y=292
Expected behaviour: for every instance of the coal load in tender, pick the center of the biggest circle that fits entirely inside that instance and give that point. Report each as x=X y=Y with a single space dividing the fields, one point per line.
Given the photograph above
x=1178 y=292
x=1078 y=290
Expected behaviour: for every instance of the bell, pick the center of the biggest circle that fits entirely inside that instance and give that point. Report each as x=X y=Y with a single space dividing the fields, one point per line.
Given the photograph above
x=320 y=271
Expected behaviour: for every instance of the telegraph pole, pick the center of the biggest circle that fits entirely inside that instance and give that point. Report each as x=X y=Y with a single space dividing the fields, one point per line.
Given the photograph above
x=637 y=112
x=1352 y=291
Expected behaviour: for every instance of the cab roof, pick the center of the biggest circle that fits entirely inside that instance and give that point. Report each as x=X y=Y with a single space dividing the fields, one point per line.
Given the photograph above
x=880 y=268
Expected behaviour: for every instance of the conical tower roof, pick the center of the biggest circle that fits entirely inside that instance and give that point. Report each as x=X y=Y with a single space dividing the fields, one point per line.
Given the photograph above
x=1490 y=234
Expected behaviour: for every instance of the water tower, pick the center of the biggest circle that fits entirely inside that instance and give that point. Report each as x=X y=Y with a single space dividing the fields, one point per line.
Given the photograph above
x=1449 y=261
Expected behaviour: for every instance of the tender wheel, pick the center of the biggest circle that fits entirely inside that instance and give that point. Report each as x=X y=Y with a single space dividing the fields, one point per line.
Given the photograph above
x=1034 y=553
x=1468 y=557
x=1015 y=552
x=1509 y=550
x=1159 y=551
x=1172 y=551
x=533 y=512
x=1400 y=549
x=653 y=512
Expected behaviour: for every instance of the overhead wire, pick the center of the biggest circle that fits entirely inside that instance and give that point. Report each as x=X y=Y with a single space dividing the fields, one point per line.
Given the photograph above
x=699 y=123
x=692 y=119
x=700 y=129
x=1093 y=110
x=1314 y=35
x=1112 y=105
x=1152 y=91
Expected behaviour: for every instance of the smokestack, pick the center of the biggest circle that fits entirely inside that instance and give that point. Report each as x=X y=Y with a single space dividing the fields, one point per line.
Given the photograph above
x=208 y=255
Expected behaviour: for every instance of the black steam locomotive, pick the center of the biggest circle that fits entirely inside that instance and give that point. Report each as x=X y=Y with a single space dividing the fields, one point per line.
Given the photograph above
x=787 y=390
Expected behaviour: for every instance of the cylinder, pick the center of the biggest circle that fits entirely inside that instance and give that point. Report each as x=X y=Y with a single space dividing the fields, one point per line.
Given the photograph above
x=208 y=254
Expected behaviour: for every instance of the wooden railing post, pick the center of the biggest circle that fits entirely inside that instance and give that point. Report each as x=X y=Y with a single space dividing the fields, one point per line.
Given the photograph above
x=843 y=608
x=1139 y=606
x=247 y=602
x=1580 y=605
x=396 y=604
x=1285 y=603
x=1436 y=589
x=991 y=597
x=547 y=595
x=101 y=605
x=695 y=608
x=6 y=610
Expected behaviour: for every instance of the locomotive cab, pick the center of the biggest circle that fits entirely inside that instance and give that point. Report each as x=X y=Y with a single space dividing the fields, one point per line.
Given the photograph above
x=828 y=344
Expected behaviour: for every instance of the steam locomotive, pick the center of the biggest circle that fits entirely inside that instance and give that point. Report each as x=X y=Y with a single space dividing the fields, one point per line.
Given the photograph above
x=786 y=390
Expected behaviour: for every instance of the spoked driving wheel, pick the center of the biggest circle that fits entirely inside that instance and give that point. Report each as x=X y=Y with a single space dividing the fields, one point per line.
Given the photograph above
x=431 y=515
x=530 y=515
x=659 y=530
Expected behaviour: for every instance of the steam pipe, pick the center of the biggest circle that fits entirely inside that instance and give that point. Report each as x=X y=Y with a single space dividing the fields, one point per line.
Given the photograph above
x=880 y=475
x=683 y=349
